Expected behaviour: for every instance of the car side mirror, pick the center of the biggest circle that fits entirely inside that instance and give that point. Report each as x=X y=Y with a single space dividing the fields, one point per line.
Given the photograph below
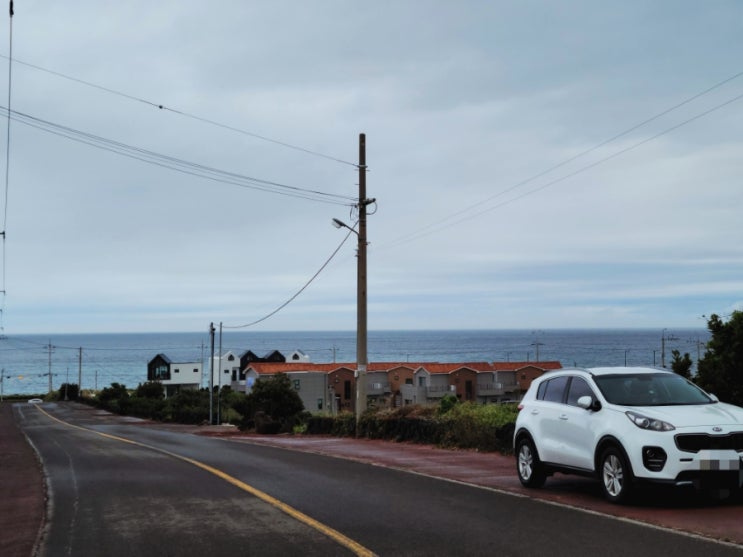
x=714 y=397
x=588 y=403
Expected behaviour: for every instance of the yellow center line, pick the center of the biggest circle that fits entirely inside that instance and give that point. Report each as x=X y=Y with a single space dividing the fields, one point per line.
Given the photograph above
x=333 y=534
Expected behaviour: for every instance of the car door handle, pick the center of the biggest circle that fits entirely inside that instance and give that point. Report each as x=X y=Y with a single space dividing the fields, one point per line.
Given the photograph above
x=563 y=416
x=534 y=412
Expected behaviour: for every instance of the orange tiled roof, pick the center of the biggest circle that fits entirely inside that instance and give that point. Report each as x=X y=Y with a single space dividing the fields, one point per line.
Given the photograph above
x=513 y=366
x=271 y=368
x=452 y=367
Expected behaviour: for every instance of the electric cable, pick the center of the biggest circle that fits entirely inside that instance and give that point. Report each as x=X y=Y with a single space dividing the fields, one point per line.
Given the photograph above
x=176 y=164
x=160 y=106
x=439 y=226
x=290 y=300
x=7 y=166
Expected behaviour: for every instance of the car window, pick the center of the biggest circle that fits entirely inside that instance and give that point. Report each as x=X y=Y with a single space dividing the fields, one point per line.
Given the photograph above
x=578 y=387
x=555 y=389
x=662 y=389
x=540 y=390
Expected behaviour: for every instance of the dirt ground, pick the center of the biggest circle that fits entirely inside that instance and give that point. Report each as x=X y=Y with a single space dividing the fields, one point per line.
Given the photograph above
x=22 y=491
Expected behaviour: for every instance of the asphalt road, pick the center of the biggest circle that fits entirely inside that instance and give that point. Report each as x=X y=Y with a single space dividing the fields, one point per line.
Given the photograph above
x=130 y=492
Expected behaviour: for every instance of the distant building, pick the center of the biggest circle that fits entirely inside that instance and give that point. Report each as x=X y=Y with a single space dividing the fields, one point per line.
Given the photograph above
x=225 y=369
x=174 y=376
x=331 y=387
x=525 y=372
x=298 y=356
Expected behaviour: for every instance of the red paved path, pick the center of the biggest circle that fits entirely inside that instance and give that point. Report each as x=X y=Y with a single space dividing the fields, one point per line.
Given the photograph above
x=21 y=489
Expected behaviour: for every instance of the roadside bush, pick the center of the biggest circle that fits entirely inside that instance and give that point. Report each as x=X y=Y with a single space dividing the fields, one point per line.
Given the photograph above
x=472 y=426
x=407 y=423
x=188 y=407
x=147 y=408
x=320 y=425
x=464 y=425
x=342 y=425
x=114 y=398
x=232 y=402
x=447 y=402
x=150 y=389
x=272 y=401
x=70 y=390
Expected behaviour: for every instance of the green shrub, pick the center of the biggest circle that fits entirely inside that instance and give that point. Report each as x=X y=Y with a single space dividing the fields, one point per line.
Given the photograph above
x=188 y=407
x=272 y=401
x=114 y=398
x=466 y=426
x=447 y=402
x=147 y=408
x=68 y=391
x=150 y=389
x=473 y=426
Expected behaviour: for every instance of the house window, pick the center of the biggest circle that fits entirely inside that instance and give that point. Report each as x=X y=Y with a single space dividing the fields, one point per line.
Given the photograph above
x=196 y=370
x=161 y=373
x=230 y=358
x=421 y=381
x=296 y=384
x=346 y=390
x=319 y=404
x=176 y=370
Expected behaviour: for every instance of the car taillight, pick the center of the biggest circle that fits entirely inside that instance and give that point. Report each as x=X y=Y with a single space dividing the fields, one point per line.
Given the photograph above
x=520 y=407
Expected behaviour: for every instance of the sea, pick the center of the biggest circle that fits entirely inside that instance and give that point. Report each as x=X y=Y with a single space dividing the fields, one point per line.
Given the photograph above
x=34 y=364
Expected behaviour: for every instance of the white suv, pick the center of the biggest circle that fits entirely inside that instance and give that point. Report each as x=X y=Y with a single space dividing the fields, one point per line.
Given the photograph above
x=624 y=425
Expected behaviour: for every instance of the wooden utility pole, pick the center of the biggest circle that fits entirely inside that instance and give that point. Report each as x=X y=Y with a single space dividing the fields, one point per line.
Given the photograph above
x=211 y=377
x=219 y=380
x=49 y=348
x=80 y=370
x=361 y=332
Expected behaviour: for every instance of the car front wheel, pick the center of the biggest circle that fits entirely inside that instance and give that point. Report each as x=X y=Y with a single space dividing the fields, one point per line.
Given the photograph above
x=528 y=465
x=616 y=475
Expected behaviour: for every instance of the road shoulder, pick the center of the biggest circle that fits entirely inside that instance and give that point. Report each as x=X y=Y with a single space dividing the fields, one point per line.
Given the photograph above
x=22 y=490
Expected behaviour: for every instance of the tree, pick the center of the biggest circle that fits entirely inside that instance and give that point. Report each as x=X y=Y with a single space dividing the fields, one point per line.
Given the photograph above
x=114 y=398
x=273 y=398
x=150 y=389
x=721 y=369
x=68 y=391
x=680 y=365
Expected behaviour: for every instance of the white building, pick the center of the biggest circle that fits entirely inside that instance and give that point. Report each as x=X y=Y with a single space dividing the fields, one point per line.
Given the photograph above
x=174 y=376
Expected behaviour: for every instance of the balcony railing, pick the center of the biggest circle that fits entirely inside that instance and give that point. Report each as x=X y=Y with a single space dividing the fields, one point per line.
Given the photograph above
x=490 y=389
x=377 y=388
x=437 y=391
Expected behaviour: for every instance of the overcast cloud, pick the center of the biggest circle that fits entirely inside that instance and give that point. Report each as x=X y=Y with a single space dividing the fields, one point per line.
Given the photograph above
x=465 y=106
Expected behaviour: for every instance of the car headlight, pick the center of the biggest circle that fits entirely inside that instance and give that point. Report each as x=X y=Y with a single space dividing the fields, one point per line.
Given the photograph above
x=643 y=422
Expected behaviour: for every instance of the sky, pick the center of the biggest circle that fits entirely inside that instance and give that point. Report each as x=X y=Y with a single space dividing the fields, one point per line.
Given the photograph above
x=535 y=164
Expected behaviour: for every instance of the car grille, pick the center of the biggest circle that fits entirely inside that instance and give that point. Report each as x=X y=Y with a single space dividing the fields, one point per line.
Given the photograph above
x=695 y=442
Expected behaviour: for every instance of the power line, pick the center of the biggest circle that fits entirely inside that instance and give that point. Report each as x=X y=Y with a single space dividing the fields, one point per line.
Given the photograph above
x=160 y=106
x=173 y=163
x=7 y=162
x=290 y=300
x=439 y=225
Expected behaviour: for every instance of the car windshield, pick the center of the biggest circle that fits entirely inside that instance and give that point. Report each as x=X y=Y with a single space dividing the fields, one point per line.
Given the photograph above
x=650 y=389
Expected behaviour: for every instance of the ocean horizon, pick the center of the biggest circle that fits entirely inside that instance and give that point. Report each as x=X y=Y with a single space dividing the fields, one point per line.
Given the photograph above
x=99 y=359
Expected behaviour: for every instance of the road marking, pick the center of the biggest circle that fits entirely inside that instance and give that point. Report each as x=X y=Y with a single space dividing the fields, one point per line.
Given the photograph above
x=333 y=534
